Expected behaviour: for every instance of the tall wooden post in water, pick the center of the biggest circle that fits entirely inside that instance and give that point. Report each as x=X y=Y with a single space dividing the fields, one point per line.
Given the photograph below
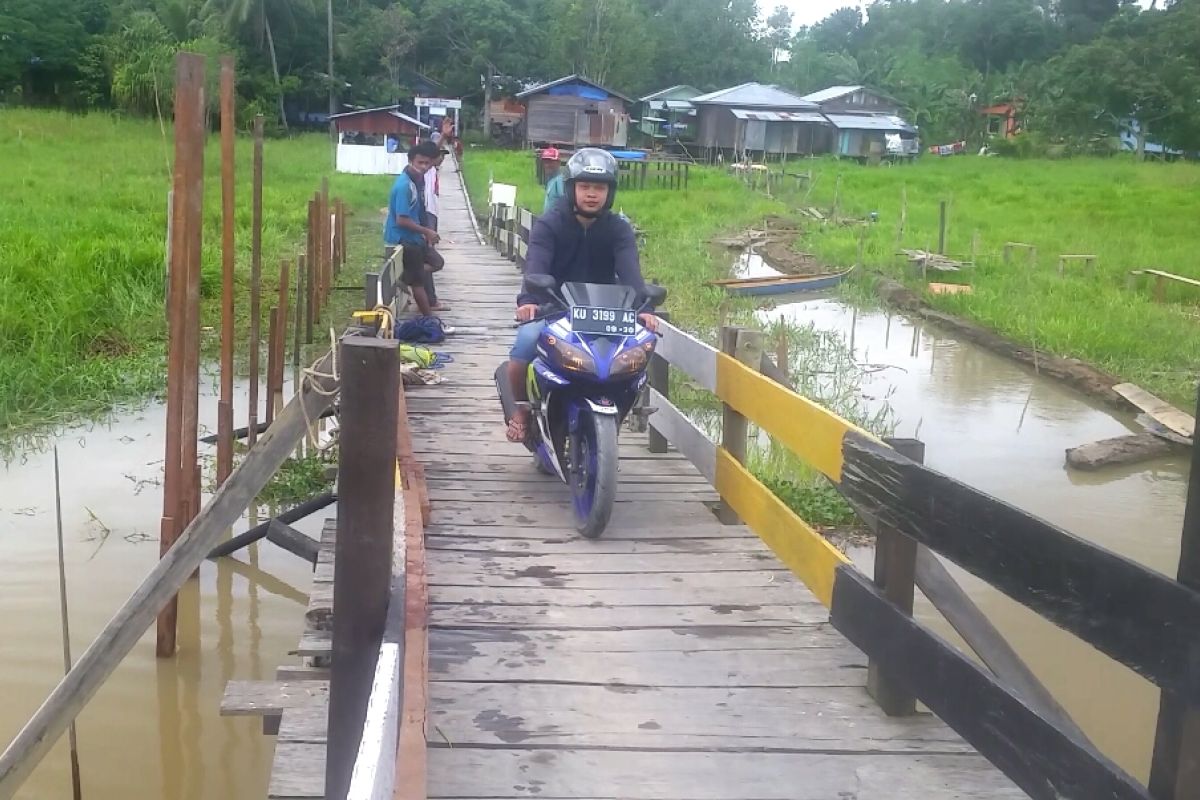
x=225 y=404
x=180 y=475
x=255 y=279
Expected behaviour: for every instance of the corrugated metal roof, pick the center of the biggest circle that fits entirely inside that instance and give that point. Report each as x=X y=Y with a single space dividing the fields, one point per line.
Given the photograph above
x=778 y=116
x=867 y=122
x=543 y=87
x=683 y=88
x=755 y=95
x=407 y=118
x=832 y=93
x=672 y=105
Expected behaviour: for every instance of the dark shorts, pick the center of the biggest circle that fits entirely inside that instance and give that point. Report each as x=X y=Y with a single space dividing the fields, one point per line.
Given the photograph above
x=413 y=262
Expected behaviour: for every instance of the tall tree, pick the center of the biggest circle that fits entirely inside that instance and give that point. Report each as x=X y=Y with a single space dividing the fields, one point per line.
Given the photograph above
x=499 y=39
x=253 y=19
x=605 y=40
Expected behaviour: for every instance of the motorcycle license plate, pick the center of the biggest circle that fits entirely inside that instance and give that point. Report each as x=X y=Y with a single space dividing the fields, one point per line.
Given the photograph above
x=604 y=321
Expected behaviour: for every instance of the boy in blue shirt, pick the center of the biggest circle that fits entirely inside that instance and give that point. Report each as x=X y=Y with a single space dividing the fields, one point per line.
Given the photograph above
x=405 y=226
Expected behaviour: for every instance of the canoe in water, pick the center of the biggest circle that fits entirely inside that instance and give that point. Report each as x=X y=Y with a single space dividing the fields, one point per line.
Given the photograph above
x=782 y=284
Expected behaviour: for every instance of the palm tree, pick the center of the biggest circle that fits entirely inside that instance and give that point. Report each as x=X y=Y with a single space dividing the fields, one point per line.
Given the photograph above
x=254 y=17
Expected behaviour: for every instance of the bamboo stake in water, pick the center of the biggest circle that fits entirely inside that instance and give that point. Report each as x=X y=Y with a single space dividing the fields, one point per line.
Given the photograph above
x=76 y=783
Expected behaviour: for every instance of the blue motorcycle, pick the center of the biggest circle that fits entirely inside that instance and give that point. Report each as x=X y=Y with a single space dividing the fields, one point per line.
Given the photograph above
x=587 y=376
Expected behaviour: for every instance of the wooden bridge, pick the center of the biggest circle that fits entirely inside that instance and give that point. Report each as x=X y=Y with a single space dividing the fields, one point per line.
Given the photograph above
x=711 y=644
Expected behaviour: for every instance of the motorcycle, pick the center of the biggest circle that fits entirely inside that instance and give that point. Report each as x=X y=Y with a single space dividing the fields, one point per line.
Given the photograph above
x=588 y=374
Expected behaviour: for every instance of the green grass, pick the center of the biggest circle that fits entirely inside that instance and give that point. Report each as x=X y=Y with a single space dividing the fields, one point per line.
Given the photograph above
x=1128 y=215
x=82 y=230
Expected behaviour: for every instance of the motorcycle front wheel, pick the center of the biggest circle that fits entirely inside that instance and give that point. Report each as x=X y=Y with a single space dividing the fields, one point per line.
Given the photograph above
x=593 y=475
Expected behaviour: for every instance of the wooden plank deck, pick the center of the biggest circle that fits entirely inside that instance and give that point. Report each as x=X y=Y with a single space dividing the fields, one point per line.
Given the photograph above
x=672 y=658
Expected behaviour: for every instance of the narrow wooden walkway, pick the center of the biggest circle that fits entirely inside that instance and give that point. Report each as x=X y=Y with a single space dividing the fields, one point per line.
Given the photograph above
x=674 y=658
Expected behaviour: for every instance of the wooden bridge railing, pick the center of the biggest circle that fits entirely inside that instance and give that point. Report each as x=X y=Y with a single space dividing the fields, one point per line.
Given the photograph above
x=1133 y=614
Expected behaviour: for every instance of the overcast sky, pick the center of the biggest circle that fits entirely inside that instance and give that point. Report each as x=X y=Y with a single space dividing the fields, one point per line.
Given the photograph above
x=806 y=12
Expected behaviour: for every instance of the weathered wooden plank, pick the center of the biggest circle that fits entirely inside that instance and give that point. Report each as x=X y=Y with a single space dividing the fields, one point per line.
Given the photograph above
x=1135 y=615
x=806 y=552
x=478 y=773
x=1161 y=411
x=569 y=534
x=790 y=594
x=638 y=516
x=783 y=719
x=683 y=434
x=543 y=617
x=1047 y=763
x=522 y=565
x=469 y=575
x=264 y=698
x=491 y=481
x=813 y=655
x=570 y=545
x=298 y=772
x=558 y=493
x=685 y=352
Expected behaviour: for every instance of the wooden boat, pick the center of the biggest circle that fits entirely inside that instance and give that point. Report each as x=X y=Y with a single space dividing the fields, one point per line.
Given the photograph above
x=781 y=284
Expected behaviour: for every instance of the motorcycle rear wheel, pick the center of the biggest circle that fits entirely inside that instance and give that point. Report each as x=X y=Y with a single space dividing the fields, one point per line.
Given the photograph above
x=593 y=477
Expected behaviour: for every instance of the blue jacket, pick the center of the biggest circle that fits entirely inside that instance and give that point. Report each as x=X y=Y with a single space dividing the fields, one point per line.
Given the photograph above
x=605 y=252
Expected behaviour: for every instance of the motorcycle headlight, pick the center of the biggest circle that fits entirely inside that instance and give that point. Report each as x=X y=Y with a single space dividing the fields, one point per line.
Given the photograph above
x=570 y=357
x=632 y=360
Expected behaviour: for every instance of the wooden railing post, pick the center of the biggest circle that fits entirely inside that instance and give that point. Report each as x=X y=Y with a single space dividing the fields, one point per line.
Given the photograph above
x=1175 y=769
x=895 y=574
x=364 y=550
x=658 y=378
x=746 y=346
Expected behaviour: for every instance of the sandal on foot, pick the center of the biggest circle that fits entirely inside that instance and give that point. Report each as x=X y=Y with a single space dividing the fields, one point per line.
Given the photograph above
x=518 y=429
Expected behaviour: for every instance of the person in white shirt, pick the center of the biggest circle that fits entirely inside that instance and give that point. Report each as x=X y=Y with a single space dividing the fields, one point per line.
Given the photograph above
x=432 y=208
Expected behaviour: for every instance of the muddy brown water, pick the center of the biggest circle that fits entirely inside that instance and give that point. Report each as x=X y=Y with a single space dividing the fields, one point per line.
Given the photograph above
x=999 y=427
x=153 y=730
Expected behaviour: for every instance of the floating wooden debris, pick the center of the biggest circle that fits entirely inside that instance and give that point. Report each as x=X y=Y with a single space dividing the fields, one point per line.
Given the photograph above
x=935 y=261
x=1160 y=411
x=1121 y=450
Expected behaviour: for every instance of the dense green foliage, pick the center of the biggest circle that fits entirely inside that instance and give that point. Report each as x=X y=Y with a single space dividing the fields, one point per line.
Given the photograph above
x=1079 y=67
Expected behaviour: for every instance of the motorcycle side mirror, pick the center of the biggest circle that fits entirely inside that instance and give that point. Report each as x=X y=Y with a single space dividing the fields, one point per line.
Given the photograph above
x=541 y=283
x=654 y=296
x=544 y=285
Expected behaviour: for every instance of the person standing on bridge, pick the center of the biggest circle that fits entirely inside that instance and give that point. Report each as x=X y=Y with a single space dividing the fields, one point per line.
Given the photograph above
x=580 y=239
x=433 y=197
x=406 y=226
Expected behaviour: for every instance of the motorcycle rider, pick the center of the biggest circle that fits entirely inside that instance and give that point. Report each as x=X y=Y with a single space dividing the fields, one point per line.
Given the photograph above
x=579 y=240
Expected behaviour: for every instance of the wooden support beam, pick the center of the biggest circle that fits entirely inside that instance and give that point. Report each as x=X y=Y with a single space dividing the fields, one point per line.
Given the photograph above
x=363 y=559
x=307 y=508
x=293 y=541
x=310 y=251
x=746 y=347
x=949 y=598
x=131 y=621
x=895 y=575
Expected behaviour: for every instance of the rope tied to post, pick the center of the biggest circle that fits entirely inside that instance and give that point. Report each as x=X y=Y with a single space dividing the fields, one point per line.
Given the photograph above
x=311 y=379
